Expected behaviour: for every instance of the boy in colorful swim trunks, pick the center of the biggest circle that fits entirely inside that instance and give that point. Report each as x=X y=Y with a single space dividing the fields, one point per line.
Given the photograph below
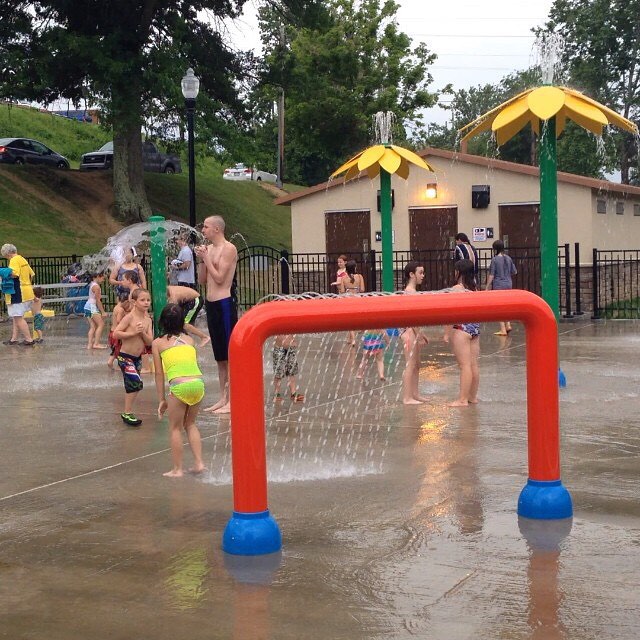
x=216 y=268
x=136 y=333
x=374 y=343
x=285 y=365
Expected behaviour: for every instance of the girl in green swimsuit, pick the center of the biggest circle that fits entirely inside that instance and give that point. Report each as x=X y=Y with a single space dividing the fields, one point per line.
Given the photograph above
x=175 y=355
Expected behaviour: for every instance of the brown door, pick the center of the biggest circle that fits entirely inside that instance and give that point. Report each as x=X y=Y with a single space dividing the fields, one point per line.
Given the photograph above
x=520 y=232
x=348 y=232
x=431 y=239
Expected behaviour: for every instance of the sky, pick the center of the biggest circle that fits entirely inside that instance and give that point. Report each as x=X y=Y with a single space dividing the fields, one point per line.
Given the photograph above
x=476 y=42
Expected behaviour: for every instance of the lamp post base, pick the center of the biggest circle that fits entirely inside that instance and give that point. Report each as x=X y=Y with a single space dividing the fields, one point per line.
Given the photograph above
x=251 y=534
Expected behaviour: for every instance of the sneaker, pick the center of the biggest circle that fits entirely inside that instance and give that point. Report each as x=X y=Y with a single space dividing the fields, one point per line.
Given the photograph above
x=130 y=419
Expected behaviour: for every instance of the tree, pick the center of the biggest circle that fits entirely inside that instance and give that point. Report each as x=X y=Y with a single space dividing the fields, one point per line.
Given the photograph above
x=128 y=54
x=337 y=70
x=602 y=55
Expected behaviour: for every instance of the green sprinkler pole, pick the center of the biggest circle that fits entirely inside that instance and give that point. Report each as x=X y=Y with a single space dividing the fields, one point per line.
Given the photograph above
x=387 y=234
x=158 y=269
x=549 y=217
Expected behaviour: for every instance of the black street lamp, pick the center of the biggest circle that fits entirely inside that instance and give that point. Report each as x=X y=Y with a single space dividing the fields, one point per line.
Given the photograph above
x=190 y=87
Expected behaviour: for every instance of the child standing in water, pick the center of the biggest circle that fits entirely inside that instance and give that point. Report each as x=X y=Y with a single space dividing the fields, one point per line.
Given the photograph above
x=412 y=341
x=174 y=353
x=285 y=365
x=135 y=332
x=119 y=311
x=374 y=343
x=465 y=341
x=93 y=312
x=36 y=310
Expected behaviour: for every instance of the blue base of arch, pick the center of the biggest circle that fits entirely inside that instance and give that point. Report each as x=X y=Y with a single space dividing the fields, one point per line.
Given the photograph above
x=545 y=500
x=251 y=534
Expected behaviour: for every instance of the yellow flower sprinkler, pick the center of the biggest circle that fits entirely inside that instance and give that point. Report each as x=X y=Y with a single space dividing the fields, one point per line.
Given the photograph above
x=384 y=160
x=547 y=109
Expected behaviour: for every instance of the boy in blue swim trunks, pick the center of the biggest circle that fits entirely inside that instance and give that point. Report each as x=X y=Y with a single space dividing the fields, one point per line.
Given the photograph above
x=216 y=268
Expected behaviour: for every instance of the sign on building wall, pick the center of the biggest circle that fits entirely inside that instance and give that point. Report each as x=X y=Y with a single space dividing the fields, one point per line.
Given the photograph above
x=481 y=234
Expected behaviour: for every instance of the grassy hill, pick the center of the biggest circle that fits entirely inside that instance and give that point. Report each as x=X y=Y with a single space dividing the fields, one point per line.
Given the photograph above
x=50 y=212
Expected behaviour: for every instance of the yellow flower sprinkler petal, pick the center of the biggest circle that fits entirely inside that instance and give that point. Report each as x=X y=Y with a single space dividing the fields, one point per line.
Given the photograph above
x=412 y=157
x=513 y=112
x=353 y=172
x=545 y=102
x=390 y=161
x=347 y=165
x=510 y=129
x=585 y=114
x=611 y=115
x=511 y=120
x=371 y=155
x=481 y=121
x=403 y=169
x=373 y=171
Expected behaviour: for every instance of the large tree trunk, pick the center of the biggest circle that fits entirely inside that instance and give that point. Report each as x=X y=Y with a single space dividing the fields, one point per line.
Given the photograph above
x=128 y=176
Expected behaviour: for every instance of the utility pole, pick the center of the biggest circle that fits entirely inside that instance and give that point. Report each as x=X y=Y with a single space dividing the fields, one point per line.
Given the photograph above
x=280 y=171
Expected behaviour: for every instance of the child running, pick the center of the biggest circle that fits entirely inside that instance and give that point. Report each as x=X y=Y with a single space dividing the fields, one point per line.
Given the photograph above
x=285 y=365
x=135 y=332
x=93 y=312
x=119 y=311
x=38 y=317
x=465 y=341
x=373 y=345
x=174 y=352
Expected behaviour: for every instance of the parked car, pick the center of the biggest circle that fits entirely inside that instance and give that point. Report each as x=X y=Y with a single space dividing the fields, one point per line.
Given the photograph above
x=27 y=151
x=240 y=172
x=152 y=159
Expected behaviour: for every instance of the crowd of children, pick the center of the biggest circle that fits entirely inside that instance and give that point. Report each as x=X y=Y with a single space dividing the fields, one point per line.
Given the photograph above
x=174 y=354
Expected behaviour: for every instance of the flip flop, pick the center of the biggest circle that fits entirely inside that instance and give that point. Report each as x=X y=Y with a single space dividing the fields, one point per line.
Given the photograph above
x=499 y=333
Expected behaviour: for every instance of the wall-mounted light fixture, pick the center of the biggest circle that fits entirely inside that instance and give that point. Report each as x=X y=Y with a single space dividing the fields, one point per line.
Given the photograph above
x=431 y=191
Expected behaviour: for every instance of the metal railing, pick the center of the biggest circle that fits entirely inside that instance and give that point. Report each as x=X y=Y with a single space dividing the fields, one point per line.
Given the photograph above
x=610 y=288
x=616 y=283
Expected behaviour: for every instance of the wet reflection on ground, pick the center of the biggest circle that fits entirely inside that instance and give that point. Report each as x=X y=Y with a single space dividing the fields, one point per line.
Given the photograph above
x=397 y=521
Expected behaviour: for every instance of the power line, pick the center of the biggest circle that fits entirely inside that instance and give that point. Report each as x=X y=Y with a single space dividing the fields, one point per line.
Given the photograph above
x=463 y=35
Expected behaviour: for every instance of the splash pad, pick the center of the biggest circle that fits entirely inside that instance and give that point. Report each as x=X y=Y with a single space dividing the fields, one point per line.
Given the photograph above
x=252 y=530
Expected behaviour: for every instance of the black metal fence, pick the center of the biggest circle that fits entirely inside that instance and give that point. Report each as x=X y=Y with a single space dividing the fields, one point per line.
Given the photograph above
x=610 y=288
x=616 y=283
x=263 y=272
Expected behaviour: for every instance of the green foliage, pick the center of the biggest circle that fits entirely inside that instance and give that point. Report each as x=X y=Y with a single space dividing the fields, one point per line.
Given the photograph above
x=337 y=71
x=68 y=137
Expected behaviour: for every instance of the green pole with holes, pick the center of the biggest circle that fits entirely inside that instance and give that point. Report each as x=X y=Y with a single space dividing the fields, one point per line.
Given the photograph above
x=157 y=236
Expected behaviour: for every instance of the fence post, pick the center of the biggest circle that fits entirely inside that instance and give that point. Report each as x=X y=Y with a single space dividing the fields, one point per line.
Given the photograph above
x=567 y=282
x=596 y=287
x=373 y=276
x=576 y=272
x=284 y=271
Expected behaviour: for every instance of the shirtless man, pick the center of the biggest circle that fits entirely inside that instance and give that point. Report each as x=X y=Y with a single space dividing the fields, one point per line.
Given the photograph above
x=216 y=268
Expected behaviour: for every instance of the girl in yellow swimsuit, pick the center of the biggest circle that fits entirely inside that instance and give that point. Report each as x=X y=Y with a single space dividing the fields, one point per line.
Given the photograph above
x=175 y=355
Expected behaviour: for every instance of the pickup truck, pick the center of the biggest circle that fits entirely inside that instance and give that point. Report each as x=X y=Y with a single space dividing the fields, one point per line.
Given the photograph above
x=153 y=160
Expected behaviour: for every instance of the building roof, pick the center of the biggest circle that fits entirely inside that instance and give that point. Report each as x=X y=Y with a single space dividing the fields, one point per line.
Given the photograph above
x=491 y=163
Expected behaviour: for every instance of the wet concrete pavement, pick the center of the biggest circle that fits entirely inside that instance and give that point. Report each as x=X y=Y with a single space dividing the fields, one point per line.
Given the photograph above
x=397 y=522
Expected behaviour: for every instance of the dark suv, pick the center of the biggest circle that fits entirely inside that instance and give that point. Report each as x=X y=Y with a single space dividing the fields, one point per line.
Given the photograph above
x=152 y=159
x=27 y=151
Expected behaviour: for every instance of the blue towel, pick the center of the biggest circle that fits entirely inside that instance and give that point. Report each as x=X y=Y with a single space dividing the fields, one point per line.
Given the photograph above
x=7 y=285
